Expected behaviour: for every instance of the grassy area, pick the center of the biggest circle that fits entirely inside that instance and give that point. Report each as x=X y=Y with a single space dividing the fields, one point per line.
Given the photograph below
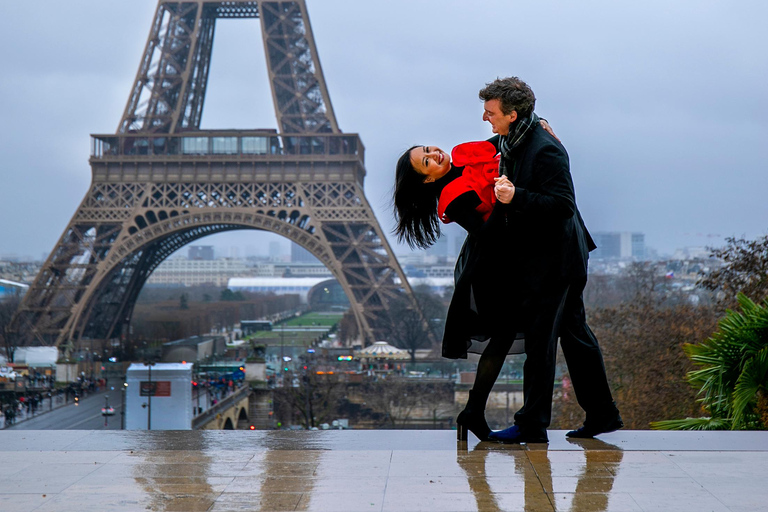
x=297 y=337
x=290 y=338
x=315 y=319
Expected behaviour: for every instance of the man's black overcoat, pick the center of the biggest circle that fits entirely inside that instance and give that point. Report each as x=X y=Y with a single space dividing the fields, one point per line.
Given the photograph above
x=548 y=240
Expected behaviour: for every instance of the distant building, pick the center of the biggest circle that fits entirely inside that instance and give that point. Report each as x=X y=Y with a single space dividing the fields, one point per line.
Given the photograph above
x=301 y=255
x=413 y=271
x=275 y=249
x=11 y=289
x=200 y=252
x=438 y=285
x=417 y=259
x=285 y=269
x=619 y=246
x=688 y=253
x=23 y=272
x=194 y=349
x=300 y=286
x=440 y=247
x=248 y=327
x=316 y=269
x=198 y=272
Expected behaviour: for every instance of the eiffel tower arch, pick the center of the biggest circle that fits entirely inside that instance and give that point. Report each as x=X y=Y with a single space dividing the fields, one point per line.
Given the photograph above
x=160 y=182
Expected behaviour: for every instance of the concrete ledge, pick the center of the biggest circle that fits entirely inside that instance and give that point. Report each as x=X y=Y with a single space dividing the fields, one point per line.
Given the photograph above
x=380 y=470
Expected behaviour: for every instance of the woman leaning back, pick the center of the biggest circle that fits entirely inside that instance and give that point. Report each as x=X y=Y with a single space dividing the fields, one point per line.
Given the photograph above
x=431 y=187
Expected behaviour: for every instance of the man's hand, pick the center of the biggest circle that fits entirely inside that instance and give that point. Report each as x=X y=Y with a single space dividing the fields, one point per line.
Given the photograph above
x=548 y=129
x=504 y=189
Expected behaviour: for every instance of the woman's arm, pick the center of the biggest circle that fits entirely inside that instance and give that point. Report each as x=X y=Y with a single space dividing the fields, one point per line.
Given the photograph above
x=463 y=211
x=547 y=128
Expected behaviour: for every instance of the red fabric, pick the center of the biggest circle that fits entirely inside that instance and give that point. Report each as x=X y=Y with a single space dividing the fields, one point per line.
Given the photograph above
x=481 y=166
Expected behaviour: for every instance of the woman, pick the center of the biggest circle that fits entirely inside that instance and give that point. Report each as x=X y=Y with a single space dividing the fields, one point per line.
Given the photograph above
x=429 y=188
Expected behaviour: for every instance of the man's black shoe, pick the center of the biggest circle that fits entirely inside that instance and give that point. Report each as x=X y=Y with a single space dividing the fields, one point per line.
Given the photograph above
x=588 y=431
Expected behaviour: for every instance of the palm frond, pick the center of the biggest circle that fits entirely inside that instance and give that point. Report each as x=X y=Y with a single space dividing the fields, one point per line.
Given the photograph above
x=732 y=369
x=753 y=378
x=693 y=424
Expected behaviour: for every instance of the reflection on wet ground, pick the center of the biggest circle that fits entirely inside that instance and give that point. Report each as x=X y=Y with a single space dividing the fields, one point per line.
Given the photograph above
x=380 y=471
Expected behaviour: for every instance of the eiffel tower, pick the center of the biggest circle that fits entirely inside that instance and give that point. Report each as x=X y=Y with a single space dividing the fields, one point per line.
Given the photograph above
x=160 y=182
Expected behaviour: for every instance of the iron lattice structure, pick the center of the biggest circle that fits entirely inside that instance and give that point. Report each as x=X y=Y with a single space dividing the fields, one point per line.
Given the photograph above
x=160 y=182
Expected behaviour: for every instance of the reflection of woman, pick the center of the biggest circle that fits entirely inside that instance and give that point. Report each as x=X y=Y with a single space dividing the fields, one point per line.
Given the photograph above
x=430 y=188
x=489 y=479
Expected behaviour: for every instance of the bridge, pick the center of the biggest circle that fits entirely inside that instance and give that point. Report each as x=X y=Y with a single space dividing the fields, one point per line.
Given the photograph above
x=230 y=413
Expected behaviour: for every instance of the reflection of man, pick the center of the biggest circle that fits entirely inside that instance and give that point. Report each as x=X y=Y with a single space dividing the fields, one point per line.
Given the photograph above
x=536 y=471
x=547 y=264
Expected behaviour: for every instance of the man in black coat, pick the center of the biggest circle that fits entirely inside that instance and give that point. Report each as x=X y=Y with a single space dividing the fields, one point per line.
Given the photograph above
x=548 y=263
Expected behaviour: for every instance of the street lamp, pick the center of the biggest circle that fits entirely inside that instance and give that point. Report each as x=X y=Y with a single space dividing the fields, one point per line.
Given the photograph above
x=150 y=392
x=122 y=406
x=105 y=410
x=282 y=358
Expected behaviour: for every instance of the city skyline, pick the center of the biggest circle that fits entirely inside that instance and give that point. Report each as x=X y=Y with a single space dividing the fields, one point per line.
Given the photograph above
x=657 y=104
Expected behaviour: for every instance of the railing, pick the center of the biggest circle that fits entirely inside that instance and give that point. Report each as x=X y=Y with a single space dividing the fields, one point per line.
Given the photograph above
x=223 y=143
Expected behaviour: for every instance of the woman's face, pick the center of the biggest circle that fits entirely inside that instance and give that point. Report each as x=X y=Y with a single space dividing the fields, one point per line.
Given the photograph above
x=431 y=162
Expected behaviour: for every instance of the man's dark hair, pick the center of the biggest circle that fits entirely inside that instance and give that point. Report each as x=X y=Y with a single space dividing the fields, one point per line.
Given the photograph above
x=512 y=93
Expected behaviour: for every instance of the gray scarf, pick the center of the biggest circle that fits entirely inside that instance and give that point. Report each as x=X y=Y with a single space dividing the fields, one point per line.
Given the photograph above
x=514 y=139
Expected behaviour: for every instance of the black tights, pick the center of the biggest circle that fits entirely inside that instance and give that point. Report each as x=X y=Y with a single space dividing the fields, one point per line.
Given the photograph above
x=488 y=369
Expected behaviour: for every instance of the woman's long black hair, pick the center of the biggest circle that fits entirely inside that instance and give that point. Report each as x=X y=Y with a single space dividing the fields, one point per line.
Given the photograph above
x=415 y=205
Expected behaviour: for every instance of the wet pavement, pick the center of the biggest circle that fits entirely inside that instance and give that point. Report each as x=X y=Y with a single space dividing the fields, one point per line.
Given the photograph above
x=380 y=471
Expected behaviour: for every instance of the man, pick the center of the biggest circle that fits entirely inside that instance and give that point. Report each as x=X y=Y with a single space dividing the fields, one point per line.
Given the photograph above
x=548 y=265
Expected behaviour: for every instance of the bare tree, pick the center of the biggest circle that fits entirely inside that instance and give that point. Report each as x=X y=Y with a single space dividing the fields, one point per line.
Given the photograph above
x=313 y=398
x=10 y=339
x=348 y=329
x=396 y=400
x=410 y=328
x=744 y=270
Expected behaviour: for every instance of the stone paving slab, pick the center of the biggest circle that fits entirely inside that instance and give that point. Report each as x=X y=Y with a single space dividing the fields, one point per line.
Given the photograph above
x=403 y=471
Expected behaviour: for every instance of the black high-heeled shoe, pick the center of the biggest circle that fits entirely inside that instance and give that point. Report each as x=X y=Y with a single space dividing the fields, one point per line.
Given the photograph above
x=468 y=422
x=472 y=419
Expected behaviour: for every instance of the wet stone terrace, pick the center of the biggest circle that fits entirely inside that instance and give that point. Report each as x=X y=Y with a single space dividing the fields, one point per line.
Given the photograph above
x=380 y=471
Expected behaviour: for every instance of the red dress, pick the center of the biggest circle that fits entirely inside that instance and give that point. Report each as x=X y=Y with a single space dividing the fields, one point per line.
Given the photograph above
x=481 y=166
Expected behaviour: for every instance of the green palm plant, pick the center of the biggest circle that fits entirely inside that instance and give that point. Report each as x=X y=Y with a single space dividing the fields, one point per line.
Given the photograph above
x=733 y=376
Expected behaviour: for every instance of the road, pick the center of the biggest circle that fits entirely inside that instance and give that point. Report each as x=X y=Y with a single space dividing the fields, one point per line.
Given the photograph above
x=85 y=415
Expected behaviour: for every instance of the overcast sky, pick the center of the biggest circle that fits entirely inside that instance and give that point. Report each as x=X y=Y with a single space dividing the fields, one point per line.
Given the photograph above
x=662 y=104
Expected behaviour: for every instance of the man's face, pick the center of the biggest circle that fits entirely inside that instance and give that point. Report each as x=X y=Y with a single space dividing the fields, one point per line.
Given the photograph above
x=499 y=121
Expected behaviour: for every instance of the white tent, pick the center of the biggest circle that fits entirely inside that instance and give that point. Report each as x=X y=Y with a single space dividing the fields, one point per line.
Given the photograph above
x=382 y=350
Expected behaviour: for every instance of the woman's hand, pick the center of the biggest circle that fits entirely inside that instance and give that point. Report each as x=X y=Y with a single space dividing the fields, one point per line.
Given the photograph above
x=504 y=189
x=548 y=129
